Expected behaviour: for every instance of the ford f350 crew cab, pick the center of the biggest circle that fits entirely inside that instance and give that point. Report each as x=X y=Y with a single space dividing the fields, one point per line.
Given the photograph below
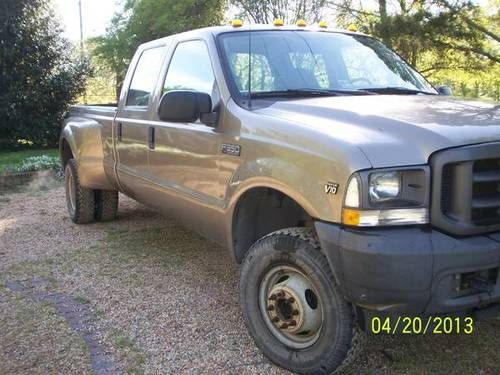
x=334 y=173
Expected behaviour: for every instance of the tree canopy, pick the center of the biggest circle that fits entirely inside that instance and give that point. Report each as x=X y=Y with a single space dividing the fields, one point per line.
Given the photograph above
x=449 y=41
x=143 y=20
x=265 y=11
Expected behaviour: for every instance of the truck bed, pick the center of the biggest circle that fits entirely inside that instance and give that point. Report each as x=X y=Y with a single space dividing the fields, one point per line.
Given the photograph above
x=94 y=109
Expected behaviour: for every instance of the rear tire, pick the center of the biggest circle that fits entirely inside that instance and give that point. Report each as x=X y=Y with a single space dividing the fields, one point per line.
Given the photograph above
x=80 y=200
x=293 y=307
x=106 y=205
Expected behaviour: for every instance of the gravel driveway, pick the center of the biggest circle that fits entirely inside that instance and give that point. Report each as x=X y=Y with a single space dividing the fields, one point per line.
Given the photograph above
x=145 y=295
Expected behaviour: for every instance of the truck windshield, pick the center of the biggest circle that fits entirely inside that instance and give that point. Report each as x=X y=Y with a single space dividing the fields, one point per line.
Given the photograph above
x=303 y=63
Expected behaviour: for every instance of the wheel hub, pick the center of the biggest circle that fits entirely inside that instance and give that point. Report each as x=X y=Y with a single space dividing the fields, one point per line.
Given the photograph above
x=285 y=309
x=291 y=306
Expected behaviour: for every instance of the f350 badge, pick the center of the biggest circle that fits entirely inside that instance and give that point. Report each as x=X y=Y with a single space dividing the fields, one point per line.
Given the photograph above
x=230 y=149
x=331 y=188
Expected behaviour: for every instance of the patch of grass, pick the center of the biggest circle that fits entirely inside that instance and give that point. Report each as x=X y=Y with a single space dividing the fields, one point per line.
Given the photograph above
x=134 y=355
x=4 y=199
x=11 y=159
x=82 y=299
x=36 y=339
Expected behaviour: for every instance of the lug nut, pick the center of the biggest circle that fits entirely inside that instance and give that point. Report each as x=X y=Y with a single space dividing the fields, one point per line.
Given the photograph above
x=276 y=319
x=284 y=326
x=270 y=308
x=281 y=294
x=272 y=297
x=291 y=300
x=295 y=312
x=292 y=323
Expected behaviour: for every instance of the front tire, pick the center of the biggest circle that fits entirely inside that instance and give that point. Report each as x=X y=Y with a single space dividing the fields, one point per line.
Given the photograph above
x=80 y=200
x=293 y=307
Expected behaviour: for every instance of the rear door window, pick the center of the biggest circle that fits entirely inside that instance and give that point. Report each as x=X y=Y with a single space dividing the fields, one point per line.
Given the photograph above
x=145 y=77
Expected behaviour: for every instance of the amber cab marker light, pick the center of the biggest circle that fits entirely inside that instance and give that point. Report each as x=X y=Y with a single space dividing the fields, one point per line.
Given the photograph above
x=278 y=22
x=301 y=23
x=323 y=24
x=237 y=23
x=352 y=27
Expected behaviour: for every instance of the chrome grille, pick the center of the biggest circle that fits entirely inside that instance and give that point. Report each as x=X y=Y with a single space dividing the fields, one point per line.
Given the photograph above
x=466 y=189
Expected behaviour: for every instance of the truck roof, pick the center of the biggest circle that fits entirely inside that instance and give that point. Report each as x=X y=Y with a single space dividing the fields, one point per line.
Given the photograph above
x=216 y=30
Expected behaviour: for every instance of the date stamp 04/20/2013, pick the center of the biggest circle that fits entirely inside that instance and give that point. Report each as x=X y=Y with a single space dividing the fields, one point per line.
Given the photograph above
x=416 y=325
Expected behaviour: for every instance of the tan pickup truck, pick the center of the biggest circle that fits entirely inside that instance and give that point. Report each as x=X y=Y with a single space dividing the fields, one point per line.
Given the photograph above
x=344 y=184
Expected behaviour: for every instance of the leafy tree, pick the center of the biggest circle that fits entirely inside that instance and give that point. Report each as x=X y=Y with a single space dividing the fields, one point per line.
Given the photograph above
x=413 y=27
x=265 y=11
x=39 y=77
x=143 y=20
x=439 y=37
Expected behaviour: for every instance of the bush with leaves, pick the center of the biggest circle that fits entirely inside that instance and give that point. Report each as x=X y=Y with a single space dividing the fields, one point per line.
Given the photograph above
x=38 y=163
x=39 y=74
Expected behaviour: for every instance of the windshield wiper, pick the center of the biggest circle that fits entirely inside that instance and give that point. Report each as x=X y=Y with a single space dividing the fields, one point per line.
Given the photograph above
x=396 y=90
x=306 y=92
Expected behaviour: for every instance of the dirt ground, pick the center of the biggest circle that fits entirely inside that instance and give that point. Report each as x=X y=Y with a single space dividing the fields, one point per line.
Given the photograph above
x=143 y=295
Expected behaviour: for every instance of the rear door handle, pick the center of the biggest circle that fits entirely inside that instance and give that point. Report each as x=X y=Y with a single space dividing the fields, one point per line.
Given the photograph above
x=120 y=131
x=151 y=138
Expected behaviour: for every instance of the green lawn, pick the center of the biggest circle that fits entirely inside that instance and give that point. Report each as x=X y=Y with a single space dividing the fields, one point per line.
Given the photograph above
x=13 y=158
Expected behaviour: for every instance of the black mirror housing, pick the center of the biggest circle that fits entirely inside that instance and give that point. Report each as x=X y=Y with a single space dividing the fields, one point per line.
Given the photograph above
x=184 y=106
x=445 y=90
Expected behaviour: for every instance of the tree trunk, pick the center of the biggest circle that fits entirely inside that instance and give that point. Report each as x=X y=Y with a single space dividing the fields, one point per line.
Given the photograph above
x=118 y=85
x=384 y=22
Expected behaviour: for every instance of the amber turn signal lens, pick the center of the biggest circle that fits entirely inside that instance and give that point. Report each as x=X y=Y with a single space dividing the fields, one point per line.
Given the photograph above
x=350 y=216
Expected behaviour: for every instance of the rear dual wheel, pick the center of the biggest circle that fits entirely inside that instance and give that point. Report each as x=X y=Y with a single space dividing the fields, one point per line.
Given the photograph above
x=293 y=307
x=87 y=205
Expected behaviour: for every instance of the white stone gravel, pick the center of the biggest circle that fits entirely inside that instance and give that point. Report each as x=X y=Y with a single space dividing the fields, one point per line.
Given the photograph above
x=166 y=300
x=172 y=292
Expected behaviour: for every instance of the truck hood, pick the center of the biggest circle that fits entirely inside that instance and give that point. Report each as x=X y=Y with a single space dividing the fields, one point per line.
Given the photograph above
x=394 y=130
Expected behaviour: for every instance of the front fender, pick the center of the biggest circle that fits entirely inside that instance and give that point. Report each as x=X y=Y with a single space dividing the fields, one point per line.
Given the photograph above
x=305 y=186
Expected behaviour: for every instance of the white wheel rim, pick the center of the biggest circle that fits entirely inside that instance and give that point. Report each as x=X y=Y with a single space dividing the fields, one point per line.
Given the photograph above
x=291 y=306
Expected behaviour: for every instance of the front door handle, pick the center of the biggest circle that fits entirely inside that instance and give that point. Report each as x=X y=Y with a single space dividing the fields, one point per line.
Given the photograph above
x=151 y=138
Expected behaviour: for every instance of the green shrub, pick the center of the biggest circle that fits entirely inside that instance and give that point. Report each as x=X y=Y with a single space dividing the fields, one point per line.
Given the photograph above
x=39 y=75
x=38 y=163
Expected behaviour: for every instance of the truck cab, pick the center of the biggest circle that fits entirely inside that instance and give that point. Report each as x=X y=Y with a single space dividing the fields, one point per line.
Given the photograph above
x=343 y=182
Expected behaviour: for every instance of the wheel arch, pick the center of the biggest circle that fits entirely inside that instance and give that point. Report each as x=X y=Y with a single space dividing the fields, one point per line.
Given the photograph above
x=262 y=207
x=81 y=139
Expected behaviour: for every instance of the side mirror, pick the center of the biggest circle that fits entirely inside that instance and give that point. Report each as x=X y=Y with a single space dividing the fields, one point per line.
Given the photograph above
x=444 y=90
x=184 y=106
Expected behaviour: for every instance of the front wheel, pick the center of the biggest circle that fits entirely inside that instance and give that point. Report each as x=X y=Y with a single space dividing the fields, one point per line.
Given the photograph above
x=293 y=307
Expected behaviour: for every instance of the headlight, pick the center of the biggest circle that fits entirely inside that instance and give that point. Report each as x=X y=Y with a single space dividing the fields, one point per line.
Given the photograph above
x=387 y=197
x=384 y=186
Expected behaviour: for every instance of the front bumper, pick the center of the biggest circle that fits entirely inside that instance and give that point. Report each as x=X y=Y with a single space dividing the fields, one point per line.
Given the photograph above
x=412 y=269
